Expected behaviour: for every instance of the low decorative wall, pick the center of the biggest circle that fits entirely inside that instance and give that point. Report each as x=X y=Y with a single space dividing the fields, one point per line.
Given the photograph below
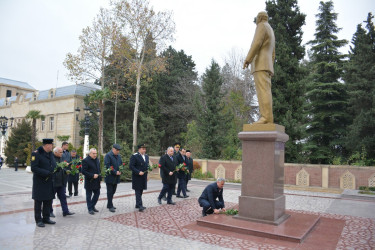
x=314 y=175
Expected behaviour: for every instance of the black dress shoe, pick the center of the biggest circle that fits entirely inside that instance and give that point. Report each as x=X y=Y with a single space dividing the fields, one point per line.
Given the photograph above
x=187 y=190
x=141 y=209
x=114 y=207
x=171 y=203
x=95 y=210
x=159 y=201
x=68 y=196
x=40 y=224
x=75 y=194
x=52 y=215
x=203 y=214
x=112 y=210
x=164 y=198
x=68 y=213
x=91 y=212
x=178 y=196
x=186 y=196
x=49 y=222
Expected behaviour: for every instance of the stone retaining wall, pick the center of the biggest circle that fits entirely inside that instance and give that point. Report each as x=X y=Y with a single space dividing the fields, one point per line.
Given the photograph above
x=313 y=175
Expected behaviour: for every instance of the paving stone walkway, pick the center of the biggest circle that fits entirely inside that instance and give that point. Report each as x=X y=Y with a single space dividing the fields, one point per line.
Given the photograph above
x=347 y=223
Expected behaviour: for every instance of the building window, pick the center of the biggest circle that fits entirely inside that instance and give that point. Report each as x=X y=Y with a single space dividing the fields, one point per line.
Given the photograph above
x=42 y=125
x=51 y=94
x=9 y=93
x=34 y=97
x=51 y=123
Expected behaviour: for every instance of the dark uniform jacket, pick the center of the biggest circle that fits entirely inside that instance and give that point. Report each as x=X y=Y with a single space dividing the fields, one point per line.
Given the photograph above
x=211 y=193
x=190 y=165
x=90 y=167
x=74 y=178
x=180 y=159
x=136 y=165
x=42 y=165
x=60 y=178
x=167 y=165
x=112 y=160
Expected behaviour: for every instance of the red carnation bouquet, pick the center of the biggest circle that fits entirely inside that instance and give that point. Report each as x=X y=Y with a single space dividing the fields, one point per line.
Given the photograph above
x=109 y=170
x=75 y=165
x=182 y=167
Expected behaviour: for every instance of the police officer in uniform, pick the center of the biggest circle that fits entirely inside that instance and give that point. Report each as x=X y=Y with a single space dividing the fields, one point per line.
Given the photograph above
x=42 y=166
x=138 y=165
x=112 y=159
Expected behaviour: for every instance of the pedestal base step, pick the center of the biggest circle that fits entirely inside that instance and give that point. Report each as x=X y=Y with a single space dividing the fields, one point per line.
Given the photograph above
x=294 y=229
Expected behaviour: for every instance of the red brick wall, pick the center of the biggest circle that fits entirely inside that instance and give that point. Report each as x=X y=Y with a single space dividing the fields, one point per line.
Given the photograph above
x=362 y=174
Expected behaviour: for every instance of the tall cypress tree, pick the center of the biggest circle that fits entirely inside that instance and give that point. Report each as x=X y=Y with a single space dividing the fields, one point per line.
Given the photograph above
x=327 y=96
x=211 y=118
x=287 y=89
x=359 y=76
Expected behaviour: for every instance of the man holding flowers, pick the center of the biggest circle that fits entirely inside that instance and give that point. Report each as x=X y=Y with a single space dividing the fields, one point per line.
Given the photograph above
x=139 y=165
x=168 y=164
x=112 y=162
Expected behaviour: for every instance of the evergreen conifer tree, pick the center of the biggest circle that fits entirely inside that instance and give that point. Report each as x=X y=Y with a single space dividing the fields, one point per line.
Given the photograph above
x=327 y=96
x=210 y=116
x=287 y=89
x=359 y=77
x=17 y=144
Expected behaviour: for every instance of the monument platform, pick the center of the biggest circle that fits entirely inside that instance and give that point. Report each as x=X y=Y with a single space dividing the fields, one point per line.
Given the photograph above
x=294 y=229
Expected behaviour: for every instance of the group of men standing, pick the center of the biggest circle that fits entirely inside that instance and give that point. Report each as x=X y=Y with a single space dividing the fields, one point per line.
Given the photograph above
x=49 y=180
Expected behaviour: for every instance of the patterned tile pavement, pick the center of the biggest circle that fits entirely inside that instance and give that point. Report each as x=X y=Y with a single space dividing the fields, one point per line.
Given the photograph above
x=169 y=227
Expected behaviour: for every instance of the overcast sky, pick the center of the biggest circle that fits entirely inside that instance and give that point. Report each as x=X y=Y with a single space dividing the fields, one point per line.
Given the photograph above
x=36 y=35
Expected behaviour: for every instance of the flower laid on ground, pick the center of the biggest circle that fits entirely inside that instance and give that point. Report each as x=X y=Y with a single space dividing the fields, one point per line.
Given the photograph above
x=182 y=167
x=59 y=167
x=230 y=212
x=74 y=166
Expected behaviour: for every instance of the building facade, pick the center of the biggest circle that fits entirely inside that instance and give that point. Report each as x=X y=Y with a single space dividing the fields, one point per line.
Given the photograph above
x=58 y=105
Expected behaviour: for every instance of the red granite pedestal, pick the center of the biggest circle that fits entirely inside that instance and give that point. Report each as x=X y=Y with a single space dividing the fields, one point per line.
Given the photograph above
x=262 y=192
x=294 y=229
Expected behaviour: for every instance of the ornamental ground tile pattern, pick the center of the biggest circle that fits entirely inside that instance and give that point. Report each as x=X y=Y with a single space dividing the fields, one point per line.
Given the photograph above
x=357 y=233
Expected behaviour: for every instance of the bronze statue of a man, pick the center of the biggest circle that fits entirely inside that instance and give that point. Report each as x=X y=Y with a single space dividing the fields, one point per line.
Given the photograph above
x=261 y=56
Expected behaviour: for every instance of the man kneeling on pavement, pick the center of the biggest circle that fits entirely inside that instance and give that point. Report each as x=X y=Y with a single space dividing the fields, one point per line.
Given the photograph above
x=208 y=199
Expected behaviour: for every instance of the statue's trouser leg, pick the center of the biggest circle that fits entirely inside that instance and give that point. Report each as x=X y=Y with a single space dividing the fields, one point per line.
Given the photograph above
x=264 y=94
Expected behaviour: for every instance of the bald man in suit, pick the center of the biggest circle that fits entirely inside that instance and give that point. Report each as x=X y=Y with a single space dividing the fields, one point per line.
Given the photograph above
x=261 y=56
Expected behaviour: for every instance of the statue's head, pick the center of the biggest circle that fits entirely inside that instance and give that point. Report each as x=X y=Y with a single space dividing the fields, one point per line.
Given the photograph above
x=262 y=16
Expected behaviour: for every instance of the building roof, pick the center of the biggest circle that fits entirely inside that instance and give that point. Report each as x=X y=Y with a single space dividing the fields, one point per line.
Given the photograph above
x=24 y=85
x=79 y=89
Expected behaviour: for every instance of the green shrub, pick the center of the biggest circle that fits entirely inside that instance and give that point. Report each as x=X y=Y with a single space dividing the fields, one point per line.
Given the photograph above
x=199 y=175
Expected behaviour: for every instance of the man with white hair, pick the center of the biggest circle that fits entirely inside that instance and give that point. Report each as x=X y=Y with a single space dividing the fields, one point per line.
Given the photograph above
x=209 y=196
x=91 y=171
x=168 y=164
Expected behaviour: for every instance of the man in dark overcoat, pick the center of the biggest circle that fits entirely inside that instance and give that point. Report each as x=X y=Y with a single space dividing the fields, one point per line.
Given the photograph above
x=139 y=165
x=168 y=166
x=42 y=166
x=60 y=178
x=73 y=179
x=208 y=199
x=181 y=175
x=66 y=157
x=112 y=159
x=190 y=165
x=91 y=171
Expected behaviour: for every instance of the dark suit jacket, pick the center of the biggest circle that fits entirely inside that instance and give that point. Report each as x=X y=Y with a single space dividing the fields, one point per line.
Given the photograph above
x=42 y=165
x=180 y=159
x=190 y=165
x=167 y=165
x=136 y=165
x=90 y=167
x=111 y=160
x=211 y=193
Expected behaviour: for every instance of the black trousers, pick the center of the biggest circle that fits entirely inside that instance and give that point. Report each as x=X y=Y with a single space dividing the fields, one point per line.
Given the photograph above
x=42 y=208
x=111 y=190
x=138 y=197
x=167 y=188
x=75 y=183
